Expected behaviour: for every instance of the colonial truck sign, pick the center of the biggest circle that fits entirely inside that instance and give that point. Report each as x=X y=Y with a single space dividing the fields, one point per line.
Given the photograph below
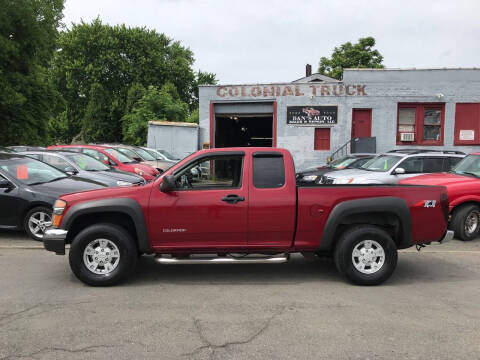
x=312 y=115
x=259 y=91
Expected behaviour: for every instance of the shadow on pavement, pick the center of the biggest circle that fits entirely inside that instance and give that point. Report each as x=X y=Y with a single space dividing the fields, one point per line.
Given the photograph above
x=411 y=268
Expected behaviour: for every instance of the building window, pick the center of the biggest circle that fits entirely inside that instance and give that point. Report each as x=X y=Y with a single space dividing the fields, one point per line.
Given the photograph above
x=467 y=124
x=322 y=139
x=420 y=124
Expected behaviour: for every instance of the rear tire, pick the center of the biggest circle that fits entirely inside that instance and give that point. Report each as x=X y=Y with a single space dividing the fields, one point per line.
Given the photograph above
x=365 y=255
x=466 y=222
x=103 y=255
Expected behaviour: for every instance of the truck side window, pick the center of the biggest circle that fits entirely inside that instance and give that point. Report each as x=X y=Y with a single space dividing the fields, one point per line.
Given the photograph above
x=268 y=171
x=216 y=172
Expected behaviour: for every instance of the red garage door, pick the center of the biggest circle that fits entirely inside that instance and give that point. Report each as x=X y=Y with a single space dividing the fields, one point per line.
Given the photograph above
x=467 y=124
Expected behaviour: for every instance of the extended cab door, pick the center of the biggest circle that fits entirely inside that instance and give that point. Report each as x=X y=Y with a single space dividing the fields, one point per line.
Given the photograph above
x=272 y=200
x=208 y=207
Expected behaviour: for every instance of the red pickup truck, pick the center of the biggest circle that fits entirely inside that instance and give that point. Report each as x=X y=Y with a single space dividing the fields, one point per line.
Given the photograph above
x=242 y=205
x=463 y=187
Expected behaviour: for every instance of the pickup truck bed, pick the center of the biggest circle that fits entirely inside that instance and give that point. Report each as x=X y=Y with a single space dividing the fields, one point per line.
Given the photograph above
x=237 y=202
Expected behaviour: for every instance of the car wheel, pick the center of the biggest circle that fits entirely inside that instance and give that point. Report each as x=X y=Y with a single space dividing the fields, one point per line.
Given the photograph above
x=466 y=222
x=103 y=255
x=37 y=221
x=365 y=255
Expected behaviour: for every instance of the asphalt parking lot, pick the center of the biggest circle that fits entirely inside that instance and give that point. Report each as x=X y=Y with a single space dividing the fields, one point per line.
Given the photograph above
x=429 y=309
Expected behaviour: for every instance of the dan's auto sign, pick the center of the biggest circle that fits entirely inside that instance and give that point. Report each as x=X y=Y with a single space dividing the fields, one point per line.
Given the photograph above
x=312 y=115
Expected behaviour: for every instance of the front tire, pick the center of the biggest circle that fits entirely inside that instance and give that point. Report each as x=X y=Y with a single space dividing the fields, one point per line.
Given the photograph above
x=366 y=255
x=37 y=221
x=466 y=222
x=103 y=255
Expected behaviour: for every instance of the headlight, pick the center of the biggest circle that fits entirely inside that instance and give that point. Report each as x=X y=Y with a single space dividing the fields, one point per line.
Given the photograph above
x=138 y=171
x=123 y=183
x=343 y=181
x=310 y=178
x=58 y=209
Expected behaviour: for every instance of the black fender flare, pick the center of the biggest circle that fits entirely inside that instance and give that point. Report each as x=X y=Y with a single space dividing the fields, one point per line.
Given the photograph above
x=125 y=206
x=393 y=205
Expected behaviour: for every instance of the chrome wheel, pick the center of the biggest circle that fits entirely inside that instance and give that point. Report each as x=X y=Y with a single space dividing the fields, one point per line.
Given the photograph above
x=101 y=256
x=38 y=222
x=471 y=222
x=368 y=256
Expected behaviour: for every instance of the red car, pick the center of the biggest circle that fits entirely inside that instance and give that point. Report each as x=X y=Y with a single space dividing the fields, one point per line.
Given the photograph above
x=463 y=186
x=114 y=158
x=245 y=208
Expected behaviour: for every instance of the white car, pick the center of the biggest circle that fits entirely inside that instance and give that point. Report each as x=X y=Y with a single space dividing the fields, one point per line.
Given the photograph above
x=396 y=165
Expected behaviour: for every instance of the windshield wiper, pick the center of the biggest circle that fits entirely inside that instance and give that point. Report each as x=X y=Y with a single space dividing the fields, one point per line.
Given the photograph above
x=49 y=181
x=466 y=173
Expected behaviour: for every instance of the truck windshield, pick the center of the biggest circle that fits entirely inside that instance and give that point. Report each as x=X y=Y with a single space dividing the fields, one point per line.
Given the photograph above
x=470 y=165
x=381 y=163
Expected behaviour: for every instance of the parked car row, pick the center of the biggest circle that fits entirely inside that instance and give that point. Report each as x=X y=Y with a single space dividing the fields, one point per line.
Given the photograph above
x=32 y=178
x=458 y=172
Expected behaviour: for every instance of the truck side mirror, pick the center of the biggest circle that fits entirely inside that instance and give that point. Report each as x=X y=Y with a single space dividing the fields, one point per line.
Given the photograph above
x=168 y=183
x=399 y=171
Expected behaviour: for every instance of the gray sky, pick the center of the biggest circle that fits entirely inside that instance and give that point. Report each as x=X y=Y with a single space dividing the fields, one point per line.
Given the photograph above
x=271 y=41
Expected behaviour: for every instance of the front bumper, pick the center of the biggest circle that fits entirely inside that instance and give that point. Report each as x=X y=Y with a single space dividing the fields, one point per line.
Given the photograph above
x=54 y=240
x=447 y=237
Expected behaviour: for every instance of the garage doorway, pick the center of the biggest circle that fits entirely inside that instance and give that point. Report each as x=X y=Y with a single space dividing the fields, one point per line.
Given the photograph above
x=243 y=124
x=241 y=130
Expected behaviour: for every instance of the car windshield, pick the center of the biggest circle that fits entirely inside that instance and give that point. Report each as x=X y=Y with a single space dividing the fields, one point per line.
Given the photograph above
x=167 y=155
x=155 y=154
x=470 y=165
x=128 y=152
x=119 y=156
x=342 y=163
x=381 y=163
x=144 y=154
x=30 y=171
x=87 y=163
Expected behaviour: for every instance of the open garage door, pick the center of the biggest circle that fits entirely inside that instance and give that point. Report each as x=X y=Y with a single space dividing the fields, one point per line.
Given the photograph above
x=244 y=124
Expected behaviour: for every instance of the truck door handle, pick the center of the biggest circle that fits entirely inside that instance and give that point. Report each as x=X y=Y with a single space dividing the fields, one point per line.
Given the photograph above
x=233 y=199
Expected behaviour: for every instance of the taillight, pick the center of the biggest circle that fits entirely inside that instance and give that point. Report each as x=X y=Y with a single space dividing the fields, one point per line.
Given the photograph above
x=444 y=204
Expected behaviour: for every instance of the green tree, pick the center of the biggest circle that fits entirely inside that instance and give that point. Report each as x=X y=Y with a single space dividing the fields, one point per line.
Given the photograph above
x=348 y=55
x=28 y=31
x=164 y=104
x=118 y=58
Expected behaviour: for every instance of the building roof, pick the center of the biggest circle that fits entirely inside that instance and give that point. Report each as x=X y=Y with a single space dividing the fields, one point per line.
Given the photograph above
x=171 y=123
x=315 y=78
x=408 y=69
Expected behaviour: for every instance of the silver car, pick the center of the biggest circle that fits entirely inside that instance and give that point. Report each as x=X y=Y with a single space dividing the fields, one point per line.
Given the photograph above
x=396 y=165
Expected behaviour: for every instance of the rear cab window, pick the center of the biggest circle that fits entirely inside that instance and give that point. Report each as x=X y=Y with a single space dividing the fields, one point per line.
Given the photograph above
x=268 y=170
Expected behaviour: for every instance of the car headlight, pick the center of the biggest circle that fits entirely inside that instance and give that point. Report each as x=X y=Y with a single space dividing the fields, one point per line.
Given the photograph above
x=138 y=171
x=58 y=209
x=343 y=181
x=310 y=178
x=123 y=183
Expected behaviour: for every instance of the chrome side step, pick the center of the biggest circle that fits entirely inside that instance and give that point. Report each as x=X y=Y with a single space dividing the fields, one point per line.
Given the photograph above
x=223 y=260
